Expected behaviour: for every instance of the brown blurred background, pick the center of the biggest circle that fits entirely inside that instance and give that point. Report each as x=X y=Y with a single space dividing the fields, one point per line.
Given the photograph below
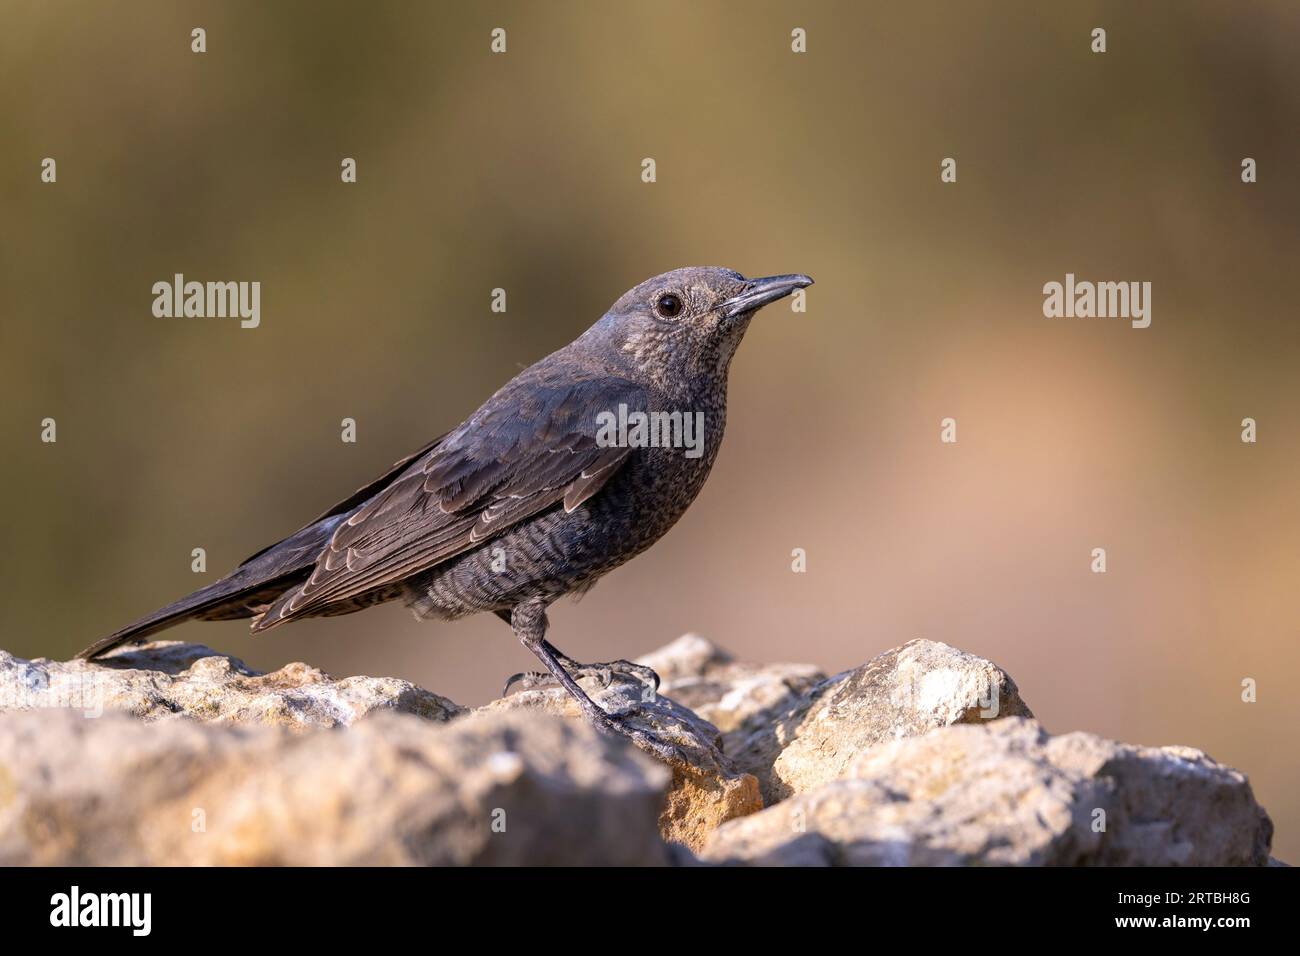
x=523 y=171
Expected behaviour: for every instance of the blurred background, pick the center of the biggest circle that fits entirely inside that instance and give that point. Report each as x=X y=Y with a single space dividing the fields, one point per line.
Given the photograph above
x=522 y=171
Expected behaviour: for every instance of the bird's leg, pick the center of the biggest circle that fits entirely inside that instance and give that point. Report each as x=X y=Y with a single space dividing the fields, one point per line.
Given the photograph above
x=529 y=624
x=529 y=679
x=604 y=672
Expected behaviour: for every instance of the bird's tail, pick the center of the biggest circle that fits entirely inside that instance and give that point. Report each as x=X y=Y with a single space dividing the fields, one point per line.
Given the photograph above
x=243 y=593
x=227 y=599
x=259 y=581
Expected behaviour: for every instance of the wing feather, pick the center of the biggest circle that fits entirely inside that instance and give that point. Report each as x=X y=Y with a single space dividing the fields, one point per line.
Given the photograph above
x=532 y=446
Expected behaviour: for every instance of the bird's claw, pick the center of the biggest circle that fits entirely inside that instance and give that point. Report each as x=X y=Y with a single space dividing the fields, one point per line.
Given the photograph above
x=645 y=675
x=603 y=674
x=529 y=679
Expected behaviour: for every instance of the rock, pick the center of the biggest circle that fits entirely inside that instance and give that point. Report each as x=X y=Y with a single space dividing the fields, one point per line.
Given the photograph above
x=737 y=697
x=707 y=791
x=169 y=679
x=925 y=755
x=497 y=788
x=1005 y=792
x=904 y=692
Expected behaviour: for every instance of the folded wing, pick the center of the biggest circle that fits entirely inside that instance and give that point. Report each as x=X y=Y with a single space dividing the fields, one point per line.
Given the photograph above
x=531 y=447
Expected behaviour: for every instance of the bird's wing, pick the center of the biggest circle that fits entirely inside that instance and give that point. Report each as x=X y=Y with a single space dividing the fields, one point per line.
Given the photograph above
x=358 y=497
x=532 y=446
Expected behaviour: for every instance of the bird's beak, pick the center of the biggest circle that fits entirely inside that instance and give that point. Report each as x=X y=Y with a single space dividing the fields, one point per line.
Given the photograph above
x=761 y=292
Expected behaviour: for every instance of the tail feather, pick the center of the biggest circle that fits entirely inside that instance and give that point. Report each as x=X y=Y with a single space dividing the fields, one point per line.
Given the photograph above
x=243 y=593
x=227 y=599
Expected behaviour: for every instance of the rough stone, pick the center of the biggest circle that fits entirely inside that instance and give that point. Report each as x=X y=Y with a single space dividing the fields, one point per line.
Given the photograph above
x=706 y=790
x=168 y=679
x=904 y=692
x=737 y=697
x=173 y=754
x=1006 y=793
x=495 y=789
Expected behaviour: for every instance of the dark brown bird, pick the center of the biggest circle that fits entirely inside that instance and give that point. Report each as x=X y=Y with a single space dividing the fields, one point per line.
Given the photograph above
x=576 y=465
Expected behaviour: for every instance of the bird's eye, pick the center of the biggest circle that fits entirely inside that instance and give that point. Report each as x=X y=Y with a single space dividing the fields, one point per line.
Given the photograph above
x=669 y=306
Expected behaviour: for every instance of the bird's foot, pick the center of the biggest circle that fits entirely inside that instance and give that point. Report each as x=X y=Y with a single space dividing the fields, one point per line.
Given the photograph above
x=603 y=673
x=619 y=725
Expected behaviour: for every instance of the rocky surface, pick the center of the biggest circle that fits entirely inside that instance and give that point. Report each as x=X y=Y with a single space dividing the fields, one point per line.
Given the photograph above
x=166 y=680
x=172 y=753
x=706 y=790
x=737 y=697
x=392 y=789
x=1007 y=793
x=905 y=692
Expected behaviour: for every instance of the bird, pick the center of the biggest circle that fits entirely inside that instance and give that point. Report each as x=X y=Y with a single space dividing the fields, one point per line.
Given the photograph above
x=540 y=492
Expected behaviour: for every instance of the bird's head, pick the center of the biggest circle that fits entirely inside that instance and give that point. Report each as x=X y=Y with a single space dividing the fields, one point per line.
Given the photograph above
x=688 y=322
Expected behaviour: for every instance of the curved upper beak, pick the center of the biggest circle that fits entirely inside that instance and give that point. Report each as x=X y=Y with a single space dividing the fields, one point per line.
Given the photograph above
x=760 y=292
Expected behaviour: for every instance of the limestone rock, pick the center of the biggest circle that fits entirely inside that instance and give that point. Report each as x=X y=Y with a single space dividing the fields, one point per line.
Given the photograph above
x=737 y=697
x=500 y=788
x=1006 y=793
x=924 y=755
x=169 y=679
x=904 y=692
x=704 y=793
